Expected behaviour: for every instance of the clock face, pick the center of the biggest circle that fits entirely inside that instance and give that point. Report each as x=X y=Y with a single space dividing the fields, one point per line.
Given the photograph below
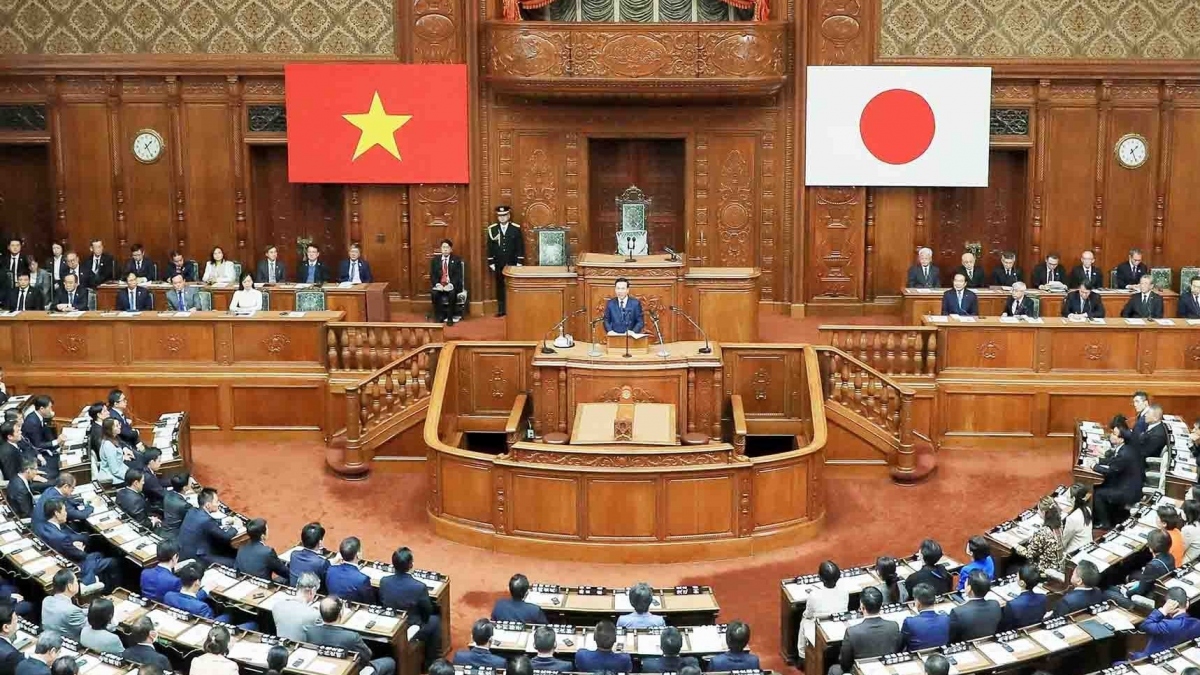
x=147 y=146
x=1132 y=151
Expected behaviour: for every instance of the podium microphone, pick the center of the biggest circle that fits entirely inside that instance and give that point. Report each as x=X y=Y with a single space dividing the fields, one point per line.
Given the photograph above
x=705 y=349
x=671 y=251
x=629 y=246
x=662 y=348
x=595 y=350
x=546 y=349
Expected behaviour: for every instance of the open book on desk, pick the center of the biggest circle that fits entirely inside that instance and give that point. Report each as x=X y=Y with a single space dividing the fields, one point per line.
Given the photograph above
x=635 y=336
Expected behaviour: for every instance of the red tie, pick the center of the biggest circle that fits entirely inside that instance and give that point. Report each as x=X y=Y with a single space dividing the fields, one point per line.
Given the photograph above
x=445 y=271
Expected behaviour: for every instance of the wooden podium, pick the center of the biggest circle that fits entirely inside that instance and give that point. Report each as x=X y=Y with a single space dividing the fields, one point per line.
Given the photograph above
x=723 y=300
x=624 y=344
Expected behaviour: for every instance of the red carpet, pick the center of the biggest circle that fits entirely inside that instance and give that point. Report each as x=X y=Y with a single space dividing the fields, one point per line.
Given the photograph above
x=288 y=485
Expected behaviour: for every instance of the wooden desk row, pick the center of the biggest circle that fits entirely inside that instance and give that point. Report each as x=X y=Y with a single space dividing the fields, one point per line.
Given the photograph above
x=514 y=637
x=186 y=633
x=26 y=554
x=1167 y=662
x=88 y=662
x=1091 y=446
x=681 y=605
x=919 y=302
x=171 y=434
x=358 y=302
x=1005 y=537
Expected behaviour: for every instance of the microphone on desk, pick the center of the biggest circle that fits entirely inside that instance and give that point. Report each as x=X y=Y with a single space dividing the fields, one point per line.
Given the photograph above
x=629 y=246
x=595 y=350
x=671 y=251
x=545 y=345
x=705 y=349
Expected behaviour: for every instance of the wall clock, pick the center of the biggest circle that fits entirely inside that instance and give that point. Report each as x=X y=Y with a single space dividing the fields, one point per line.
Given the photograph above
x=1132 y=150
x=148 y=146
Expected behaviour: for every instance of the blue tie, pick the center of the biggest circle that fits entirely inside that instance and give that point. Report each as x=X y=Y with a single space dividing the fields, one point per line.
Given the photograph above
x=312 y=273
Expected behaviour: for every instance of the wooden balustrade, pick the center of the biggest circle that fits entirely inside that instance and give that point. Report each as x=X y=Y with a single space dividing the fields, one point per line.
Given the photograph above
x=381 y=396
x=370 y=346
x=891 y=350
x=872 y=395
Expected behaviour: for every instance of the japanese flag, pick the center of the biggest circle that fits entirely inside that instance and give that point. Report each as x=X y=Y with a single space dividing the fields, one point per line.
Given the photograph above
x=906 y=126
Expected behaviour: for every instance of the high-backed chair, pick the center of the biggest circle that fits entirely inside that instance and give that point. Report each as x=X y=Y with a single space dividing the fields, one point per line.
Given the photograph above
x=1161 y=276
x=266 y=300
x=91 y=302
x=204 y=299
x=193 y=268
x=1186 y=274
x=1037 y=305
x=310 y=300
x=1112 y=278
x=237 y=272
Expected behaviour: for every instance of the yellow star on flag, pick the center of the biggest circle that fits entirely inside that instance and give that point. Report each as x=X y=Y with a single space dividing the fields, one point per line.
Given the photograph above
x=378 y=128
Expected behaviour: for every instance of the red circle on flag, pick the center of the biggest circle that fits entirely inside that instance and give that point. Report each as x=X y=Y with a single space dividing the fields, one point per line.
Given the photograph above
x=897 y=126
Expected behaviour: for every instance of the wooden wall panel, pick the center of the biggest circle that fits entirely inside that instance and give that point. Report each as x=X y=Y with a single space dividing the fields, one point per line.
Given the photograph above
x=270 y=407
x=208 y=196
x=1183 y=202
x=491 y=380
x=439 y=212
x=148 y=205
x=717 y=515
x=892 y=242
x=780 y=494
x=637 y=516
x=732 y=199
x=470 y=499
x=1069 y=196
x=1130 y=194
x=549 y=505
x=964 y=413
x=378 y=221
x=201 y=403
x=87 y=174
x=1066 y=411
x=26 y=196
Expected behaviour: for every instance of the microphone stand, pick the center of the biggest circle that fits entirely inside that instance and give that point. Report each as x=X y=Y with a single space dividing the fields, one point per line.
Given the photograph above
x=629 y=247
x=627 y=354
x=546 y=349
x=595 y=350
x=662 y=349
x=705 y=349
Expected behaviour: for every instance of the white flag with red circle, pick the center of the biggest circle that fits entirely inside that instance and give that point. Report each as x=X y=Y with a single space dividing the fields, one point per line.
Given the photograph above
x=897 y=125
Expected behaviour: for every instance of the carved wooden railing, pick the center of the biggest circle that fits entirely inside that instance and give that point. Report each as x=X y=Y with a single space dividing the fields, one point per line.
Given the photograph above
x=370 y=346
x=380 y=397
x=874 y=397
x=891 y=350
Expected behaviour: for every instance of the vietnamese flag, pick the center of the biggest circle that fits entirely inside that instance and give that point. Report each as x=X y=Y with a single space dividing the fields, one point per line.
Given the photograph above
x=377 y=123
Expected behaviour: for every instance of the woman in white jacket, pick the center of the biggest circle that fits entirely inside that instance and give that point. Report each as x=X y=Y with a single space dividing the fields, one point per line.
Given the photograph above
x=1077 y=528
x=218 y=270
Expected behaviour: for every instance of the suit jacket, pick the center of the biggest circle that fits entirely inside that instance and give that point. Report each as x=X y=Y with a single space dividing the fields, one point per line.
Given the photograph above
x=549 y=663
x=20 y=497
x=33 y=299
x=666 y=664
x=200 y=533
x=127 y=434
x=1042 y=276
x=43 y=283
x=631 y=318
x=7 y=278
x=190 y=300
x=62 y=616
x=153 y=490
x=969 y=305
x=1151 y=442
x=1143 y=580
x=303 y=560
x=454 y=269
x=505 y=247
x=76 y=509
x=258 y=559
x=1166 y=632
x=146 y=655
x=1189 y=308
x=39 y=434
x=142 y=298
x=134 y=504
x=1022 y=308
x=924 y=630
x=77 y=299
x=733 y=661
x=1026 y=609
x=595 y=661
x=975 y=279
x=1127 y=276
x=918 y=278
x=1078 y=276
x=62 y=540
x=175 y=507
x=106 y=272
x=57 y=267
x=1124 y=473
x=1093 y=307
x=975 y=618
x=1151 y=309
x=364 y=271
x=261 y=275
x=937 y=577
x=507 y=609
x=481 y=657
x=147 y=270
x=346 y=581
x=320 y=274
x=191 y=604
x=157 y=581
x=186 y=270
x=10 y=658
x=1078 y=598
x=875 y=636
x=34 y=666
x=10 y=460
x=336 y=636
x=292 y=617
x=1002 y=278
x=402 y=591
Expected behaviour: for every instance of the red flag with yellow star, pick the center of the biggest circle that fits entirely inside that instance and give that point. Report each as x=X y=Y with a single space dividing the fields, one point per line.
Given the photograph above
x=377 y=123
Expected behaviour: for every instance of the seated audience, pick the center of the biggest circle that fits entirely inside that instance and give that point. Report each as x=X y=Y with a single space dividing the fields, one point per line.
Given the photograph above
x=515 y=608
x=1048 y=272
x=247 y=298
x=670 y=643
x=181 y=297
x=70 y=298
x=1123 y=472
x=345 y=579
x=10 y=657
x=308 y=557
x=641 y=596
x=133 y=298
x=295 y=614
x=936 y=664
x=545 y=641
x=190 y=597
x=1172 y=523
x=1142 y=581
x=329 y=635
x=1019 y=304
x=312 y=270
x=1029 y=606
x=928 y=628
x=931 y=572
x=874 y=636
x=99 y=633
x=215 y=659
x=970 y=271
x=100 y=268
x=139 y=266
x=257 y=558
x=960 y=300
x=1044 y=549
x=159 y=580
x=1189 y=302
x=1145 y=303
x=218 y=270
x=737 y=638
x=1007 y=274
x=603 y=658
x=1153 y=441
x=981 y=559
x=152 y=487
x=277 y=658
x=1130 y=271
x=176 y=504
x=924 y=274
x=1085 y=590
x=112 y=466
x=204 y=538
x=1077 y=528
x=177 y=266
x=479 y=653
x=45 y=650
x=1087 y=272
x=1082 y=304
x=446 y=273
x=1168 y=625
x=1191 y=532
x=59 y=611
x=143 y=635
x=131 y=500
x=402 y=591
x=355 y=270
x=828 y=599
x=979 y=616
x=893 y=591
x=71 y=546
x=270 y=269
x=24 y=297
x=41 y=282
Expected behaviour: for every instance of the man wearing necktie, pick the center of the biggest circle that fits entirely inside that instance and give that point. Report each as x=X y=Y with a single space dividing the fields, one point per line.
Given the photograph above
x=270 y=270
x=1083 y=304
x=14 y=263
x=1007 y=274
x=1087 y=271
x=1130 y=272
x=132 y=298
x=623 y=313
x=70 y=298
x=924 y=274
x=1019 y=304
x=972 y=272
x=960 y=300
x=100 y=267
x=1144 y=303
x=312 y=270
x=23 y=297
x=181 y=297
x=1048 y=272
x=446 y=275
x=355 y=270
x=1189 y=303
x=139 y=265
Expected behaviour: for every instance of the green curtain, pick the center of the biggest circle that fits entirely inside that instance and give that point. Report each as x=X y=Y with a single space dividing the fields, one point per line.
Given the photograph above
x=637 y=11
x=712 y=10
x=642 y=11
x=563 y=10
x=675 y=10
x=597 y=10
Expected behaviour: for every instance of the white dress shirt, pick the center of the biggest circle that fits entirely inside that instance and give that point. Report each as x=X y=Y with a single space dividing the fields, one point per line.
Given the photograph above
x=246 y=301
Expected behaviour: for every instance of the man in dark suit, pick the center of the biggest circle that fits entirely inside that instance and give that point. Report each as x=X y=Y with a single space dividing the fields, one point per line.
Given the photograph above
x=875 y=636
x=175 y=505
x=23 y=297
x=737 y=638
x=1124 y=472
x=1132 y=270
x=1083 y=303
x=972 y=272
x=1142 y=582
x=177 y=265
x=257 y=558
x=1019 y=304
x=99 y=267
x=10 y=656
x=312 y=270
x=1085 y=591
x=1141 y=406
x=544 y=641
x=446 y=276
x=153 y=490
x=1048 y=272
x=514 y=608
x=345 y=579
x=1086 y=270
x=928 y=628
x=132 y=298
x=20 y=490
x=1151 y=442
x=1029 y=606
x=505 y=246
x=327 y=634
x=10 y=454
x=201 y=536
x=1189 y=302
x=602 y=658
x=670 y=643
x=118 y=409
x=309 y=557
x=143 y=636
x=14 y=263
x=181 y=297
x=190 y=597
x=478 y=654
x=623 y=313
x=931 y=572
x=356 y=270
x=1145 y=303
x=132 y=502
x=401 y=591
x=138 y=265
x=924 y=274
x=39 y=432
x=159 y=580
x=71 y=298
x=978 y=616
x=960 y=300
x=1007 y=273
x=72 y=546
x=270 y=269
x=64 y=489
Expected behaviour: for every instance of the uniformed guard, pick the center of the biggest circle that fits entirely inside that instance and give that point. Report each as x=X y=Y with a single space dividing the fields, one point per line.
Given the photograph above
x=505 y=246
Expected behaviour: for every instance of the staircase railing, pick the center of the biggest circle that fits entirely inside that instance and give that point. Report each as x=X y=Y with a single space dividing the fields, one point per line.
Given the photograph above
x=892 y=350
x=370 y=346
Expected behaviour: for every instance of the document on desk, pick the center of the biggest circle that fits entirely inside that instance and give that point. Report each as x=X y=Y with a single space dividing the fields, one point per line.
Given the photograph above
x=250 y=652
x=913 y=667
x=182 y=315
x=1165 y=322
x=649 y=643
x=196 y=635
x=1135 y=322
x=621 y=603
x=938 y=318
x=997 y=653
x=542 y=599
x=124 y=609
x=302 y=658
x=216 y=580
x=873 y=668
x=346 y=284
x=293 y=315
x=1047 y=639
x=1115 y=618
x=167 y=624
x=706 y=639
x=14 y=546
x=963 y=318
x=242 y=589
x=613 y=333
